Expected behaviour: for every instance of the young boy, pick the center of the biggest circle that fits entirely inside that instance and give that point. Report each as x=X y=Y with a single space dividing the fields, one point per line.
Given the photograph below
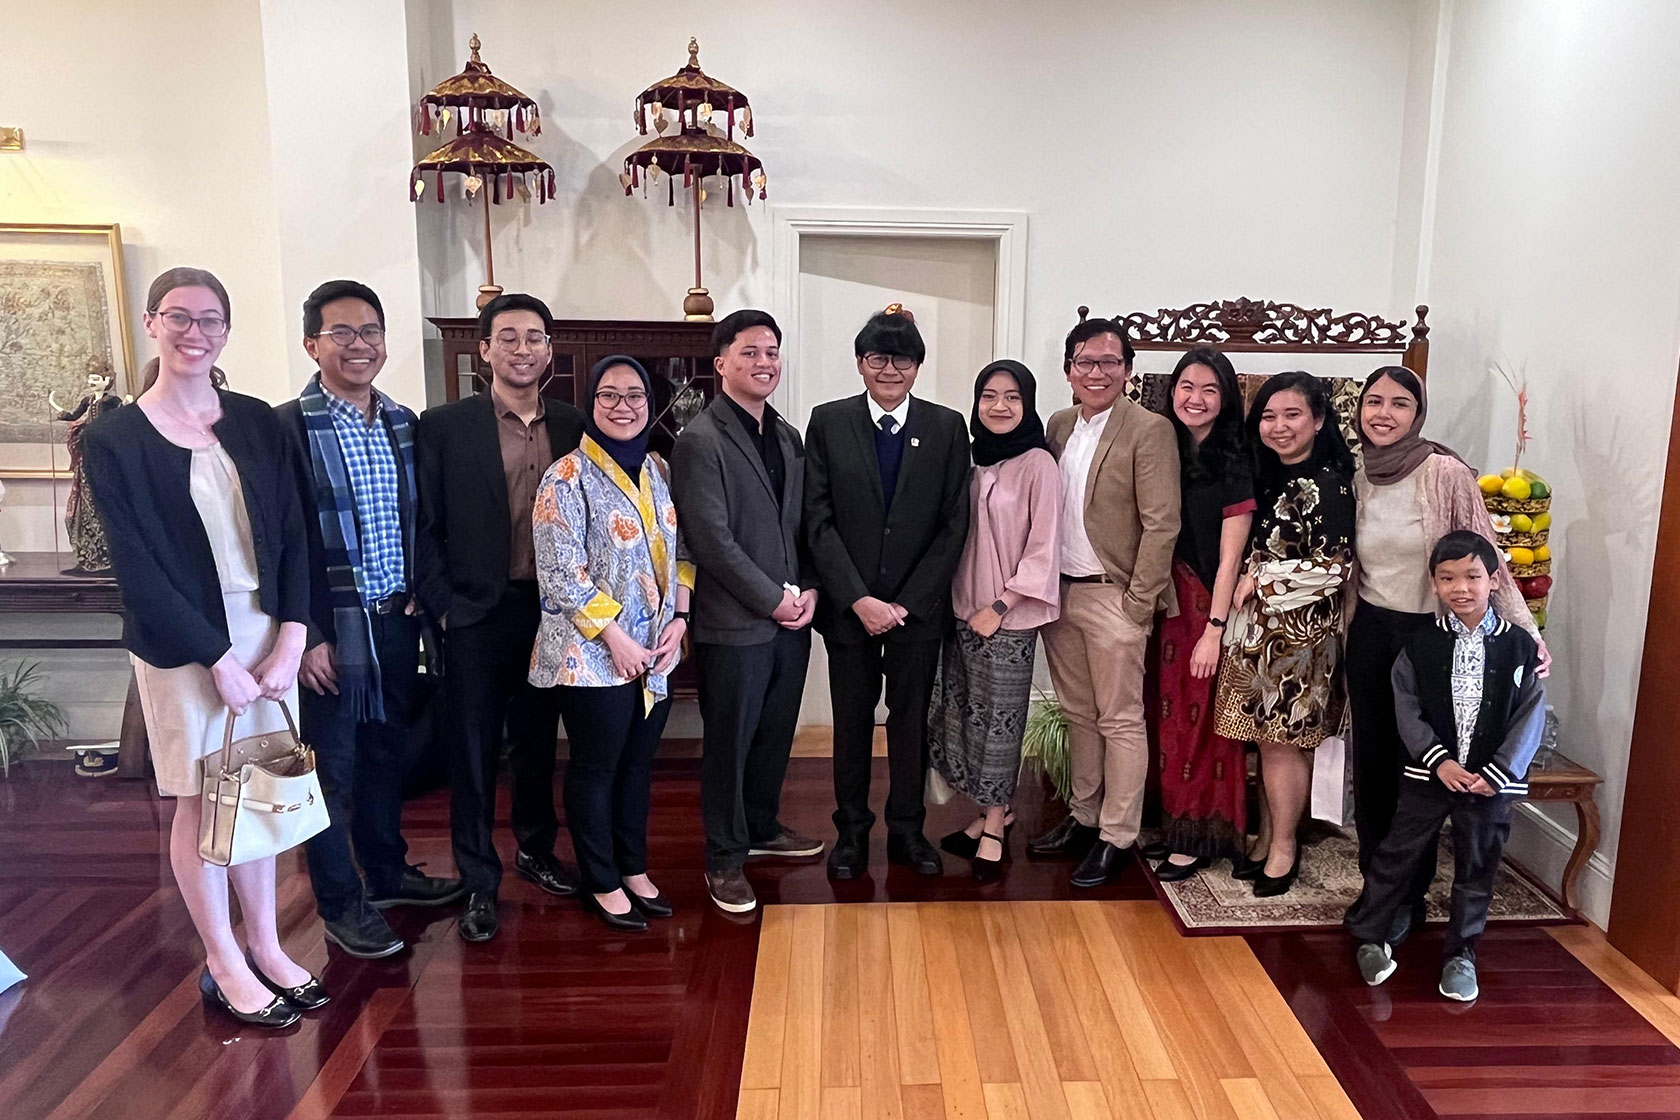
x=1470 y=710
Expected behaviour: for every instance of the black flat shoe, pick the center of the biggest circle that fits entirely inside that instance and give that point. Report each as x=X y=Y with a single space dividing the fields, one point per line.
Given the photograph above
x=960 y=844
x=849 y=857
x=658 y=906
x=1245 y=869
x=1170 y=872
x=628 y=922
x=990 y=870
x=304 y=997
x=1267 y=886
x=1157 y=850
x=278 y=1015
x=1098 y=864
x=479 y=921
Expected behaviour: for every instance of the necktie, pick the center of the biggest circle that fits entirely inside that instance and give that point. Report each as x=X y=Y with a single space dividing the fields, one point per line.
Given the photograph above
x=888 y=424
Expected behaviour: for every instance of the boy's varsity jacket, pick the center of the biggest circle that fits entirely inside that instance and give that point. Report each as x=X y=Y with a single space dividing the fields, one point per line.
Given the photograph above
x=1509 y=722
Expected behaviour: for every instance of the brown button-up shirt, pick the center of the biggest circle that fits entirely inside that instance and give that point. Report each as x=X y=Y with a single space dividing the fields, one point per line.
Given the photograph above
x=525 y=456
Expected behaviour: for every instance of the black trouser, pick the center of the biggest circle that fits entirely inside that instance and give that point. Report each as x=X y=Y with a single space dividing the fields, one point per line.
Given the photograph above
x=485 y=673
x=609 y=779
x=1374 y=640
x=749 y=701
x=1479 y=828
x=855 y=673
x=361 y=765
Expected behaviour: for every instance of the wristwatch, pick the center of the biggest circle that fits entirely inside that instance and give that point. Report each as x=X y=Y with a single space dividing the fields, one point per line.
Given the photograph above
x=680 y=614
x=1000 y=607
x=1217 y=623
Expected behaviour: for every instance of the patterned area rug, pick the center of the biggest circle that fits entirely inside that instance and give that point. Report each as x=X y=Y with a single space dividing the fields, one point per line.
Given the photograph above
x=1211 y=902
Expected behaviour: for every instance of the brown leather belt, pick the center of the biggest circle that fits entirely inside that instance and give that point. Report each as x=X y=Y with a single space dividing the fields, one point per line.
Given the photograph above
x=1104 y=578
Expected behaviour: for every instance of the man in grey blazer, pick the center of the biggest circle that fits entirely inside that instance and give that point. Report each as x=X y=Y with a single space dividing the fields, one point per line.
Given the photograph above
x=737 y=477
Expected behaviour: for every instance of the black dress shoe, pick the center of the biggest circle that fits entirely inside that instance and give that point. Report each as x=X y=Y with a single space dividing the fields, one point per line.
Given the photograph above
x=1068 y=840
x=1097 y=866
x=990 y=870
x=415 y=888
x=364 y=933
x=479 y=921
x=850 y=855
x=912 y=850
x=1269 y=886
x=657 y=906
x=278 y=1015
x=1170 y=872
x=960 y=844
x=304 y=997
x=547 y=872
x=628 y=922
x=1155 y=850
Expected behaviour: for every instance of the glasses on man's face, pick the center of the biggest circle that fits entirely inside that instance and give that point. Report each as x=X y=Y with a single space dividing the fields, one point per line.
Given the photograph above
x=211 y=326
x=1087 y=366
x=373 y=334
x=611 y=398
x=899 y=362
x=511 y=341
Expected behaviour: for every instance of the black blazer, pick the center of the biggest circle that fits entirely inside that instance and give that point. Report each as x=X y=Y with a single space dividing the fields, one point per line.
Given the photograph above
x=172 y=597
x=907 y=556
x=461 y=548
x=744 y=544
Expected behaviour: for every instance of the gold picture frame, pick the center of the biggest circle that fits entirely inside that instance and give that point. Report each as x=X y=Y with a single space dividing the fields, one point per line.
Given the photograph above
x=63 y=313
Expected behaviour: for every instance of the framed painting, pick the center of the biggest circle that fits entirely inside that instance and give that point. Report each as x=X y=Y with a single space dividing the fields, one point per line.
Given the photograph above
x=63 y=318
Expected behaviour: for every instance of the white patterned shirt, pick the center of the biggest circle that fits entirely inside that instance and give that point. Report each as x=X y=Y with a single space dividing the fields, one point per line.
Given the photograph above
x=1469 y=667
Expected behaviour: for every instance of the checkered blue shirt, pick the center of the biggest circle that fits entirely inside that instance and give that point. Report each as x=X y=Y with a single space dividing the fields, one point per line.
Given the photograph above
x=372 y=463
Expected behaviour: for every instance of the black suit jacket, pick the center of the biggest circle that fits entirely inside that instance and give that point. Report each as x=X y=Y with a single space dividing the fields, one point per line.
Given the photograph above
x=907 y=555
x=743 y=538
x=461 y=548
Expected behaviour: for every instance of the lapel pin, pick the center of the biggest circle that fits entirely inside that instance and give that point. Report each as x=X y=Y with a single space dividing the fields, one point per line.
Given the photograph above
x=914 y=442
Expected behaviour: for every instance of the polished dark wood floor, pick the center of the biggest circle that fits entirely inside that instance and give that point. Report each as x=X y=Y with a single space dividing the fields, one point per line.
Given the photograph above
x=558 y=1016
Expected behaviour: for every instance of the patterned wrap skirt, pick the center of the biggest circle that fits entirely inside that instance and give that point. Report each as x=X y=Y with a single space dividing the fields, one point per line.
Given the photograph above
x=1203 y=774
x=1280 y=679
x=979 y=712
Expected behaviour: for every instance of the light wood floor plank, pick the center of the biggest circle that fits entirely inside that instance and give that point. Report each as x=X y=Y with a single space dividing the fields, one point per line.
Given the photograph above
x=877 y=1019
x=841 y=1103
x=1245 y=970
x=987 y=1018
x=1659 y=1006
x=1115 y=1071
x=1039 y=1077
x=1253 y=1035
x=801 y=1087
x=1168 y=1100
x=1062 y=1024
x=1125 y=998
x=922 y=1102
x=1006 y=1102
x=918 y=1059
x=1087 y=1101
x=756 y=1104
x=761 y=1066
x=958 y=1068
x=840 y=1057
x=1329 y=1097
x=1248 y=1099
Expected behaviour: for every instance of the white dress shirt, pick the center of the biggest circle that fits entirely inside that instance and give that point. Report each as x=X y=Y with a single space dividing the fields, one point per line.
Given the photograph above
x=1078 y=557
x=899 y=414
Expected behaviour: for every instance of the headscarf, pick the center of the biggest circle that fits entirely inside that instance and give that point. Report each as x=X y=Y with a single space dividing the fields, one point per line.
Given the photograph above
x=1386 y=465
x=627 y=453
x=989 y=446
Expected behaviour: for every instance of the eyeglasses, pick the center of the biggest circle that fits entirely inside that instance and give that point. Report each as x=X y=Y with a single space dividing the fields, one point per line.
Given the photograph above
x=373 y=334
x=1088 y=366
x=212 y=326
x=510 y=341
x=610 y=398
x=899 y=362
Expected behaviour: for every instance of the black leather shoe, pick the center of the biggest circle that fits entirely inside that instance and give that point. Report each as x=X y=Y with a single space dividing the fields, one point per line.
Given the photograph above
x=1268 y=886
x=1068 y=840
x=990 y=870
x=479 y=921
x=1155 y=850
x=658 y=906
x=1246 y=870
x=304 y=997
x=960 y=844
x=416 y=888
x=1170 y=872
x=850 y=855
x=631 y=921
x=912 y=850
x=278 y=1015
x=1097 y=866
x=364 y=933
x=547 y=872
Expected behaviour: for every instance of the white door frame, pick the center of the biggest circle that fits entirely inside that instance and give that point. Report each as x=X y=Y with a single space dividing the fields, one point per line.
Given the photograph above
x=1008 y=228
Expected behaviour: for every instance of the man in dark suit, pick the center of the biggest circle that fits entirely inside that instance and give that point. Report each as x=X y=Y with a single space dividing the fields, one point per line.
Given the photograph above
x=738 y=479
x=360 y=672
x=480 y=461
x=886 y=514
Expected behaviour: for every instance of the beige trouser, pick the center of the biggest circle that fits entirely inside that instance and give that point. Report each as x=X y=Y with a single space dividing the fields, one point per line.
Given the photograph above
x=1096 y=663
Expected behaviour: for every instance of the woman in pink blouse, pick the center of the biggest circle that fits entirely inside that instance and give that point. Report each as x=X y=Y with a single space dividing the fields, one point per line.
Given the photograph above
x=1006 y=587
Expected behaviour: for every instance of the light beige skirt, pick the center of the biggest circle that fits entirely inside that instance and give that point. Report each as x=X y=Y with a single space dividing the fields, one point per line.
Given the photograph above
x=185 y=716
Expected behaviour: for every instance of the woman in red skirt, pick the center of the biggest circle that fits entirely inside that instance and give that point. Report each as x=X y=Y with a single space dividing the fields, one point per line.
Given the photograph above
x=1203 y=775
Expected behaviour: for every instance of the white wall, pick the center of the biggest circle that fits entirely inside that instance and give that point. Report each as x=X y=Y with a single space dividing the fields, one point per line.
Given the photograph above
x=1556 y=250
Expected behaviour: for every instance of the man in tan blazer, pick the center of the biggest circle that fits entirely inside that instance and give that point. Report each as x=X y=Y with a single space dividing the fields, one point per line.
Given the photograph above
x=1120 y=512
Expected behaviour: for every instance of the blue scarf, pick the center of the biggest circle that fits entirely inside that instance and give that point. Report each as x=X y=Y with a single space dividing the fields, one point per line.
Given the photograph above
x=360 y=689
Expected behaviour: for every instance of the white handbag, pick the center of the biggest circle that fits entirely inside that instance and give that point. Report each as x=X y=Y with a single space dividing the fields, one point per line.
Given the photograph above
x=261 y=796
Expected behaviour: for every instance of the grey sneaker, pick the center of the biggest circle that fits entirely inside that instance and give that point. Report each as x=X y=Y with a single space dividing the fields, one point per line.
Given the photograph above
x=787 y=845
x=1376 y=963
x=731 y=891
x=1458 y=979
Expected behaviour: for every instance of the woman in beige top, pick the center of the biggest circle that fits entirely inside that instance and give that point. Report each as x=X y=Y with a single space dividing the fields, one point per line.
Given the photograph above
x=1411 y=492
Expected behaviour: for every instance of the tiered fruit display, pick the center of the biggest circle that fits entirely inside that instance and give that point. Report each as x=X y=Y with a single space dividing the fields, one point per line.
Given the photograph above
x=1520 y=503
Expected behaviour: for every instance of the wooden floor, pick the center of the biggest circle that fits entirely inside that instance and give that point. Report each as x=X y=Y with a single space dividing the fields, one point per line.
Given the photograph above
x=1048 y=1010
x=560 y=1017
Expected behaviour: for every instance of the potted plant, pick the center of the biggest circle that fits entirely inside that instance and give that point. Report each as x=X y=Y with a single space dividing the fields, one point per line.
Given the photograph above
x=25 y=718
x=1045 y=744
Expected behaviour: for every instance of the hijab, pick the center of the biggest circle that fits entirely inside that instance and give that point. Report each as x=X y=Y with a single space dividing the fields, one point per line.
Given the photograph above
x=627 y=453
x=989 y=446
x=1387 y=465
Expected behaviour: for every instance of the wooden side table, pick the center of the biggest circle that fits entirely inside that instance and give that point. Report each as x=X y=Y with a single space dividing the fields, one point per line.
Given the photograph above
x=1557 y=778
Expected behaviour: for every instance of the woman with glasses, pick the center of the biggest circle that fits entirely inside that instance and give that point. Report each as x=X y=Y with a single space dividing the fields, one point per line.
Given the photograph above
x=614 y=612
x=207 y=537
